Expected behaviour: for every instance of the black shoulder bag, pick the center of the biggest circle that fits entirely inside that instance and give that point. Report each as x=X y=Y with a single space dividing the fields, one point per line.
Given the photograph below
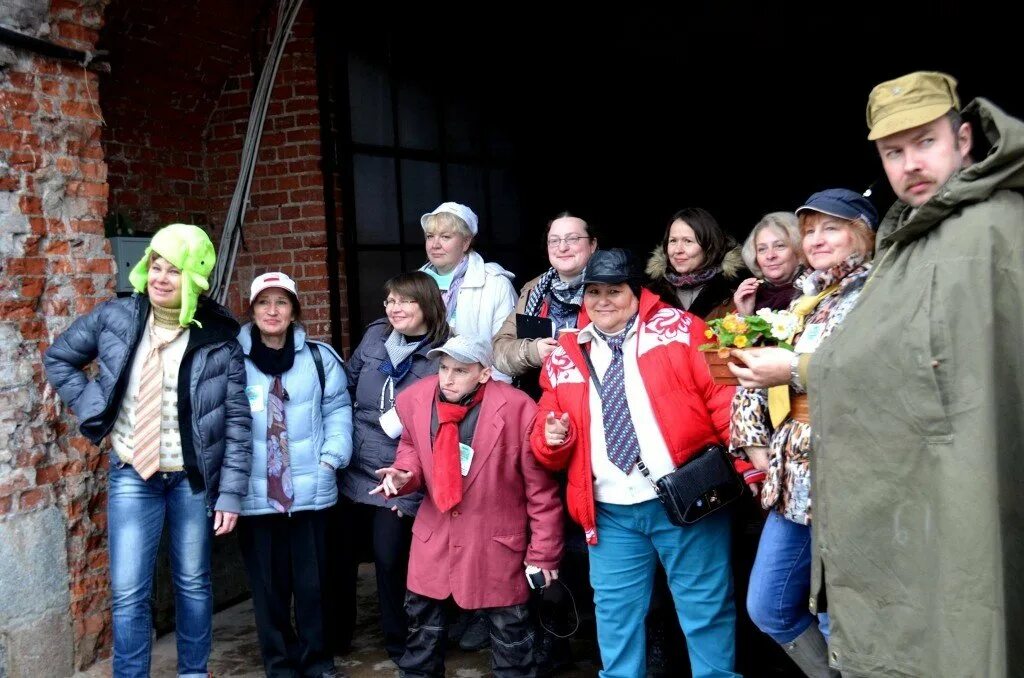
x=704 y=484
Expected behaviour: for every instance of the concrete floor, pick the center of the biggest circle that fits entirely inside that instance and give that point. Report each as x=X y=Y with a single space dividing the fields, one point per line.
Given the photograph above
x=236 y=651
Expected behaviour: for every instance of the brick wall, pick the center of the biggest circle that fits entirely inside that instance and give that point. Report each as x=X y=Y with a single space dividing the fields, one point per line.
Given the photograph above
x=285 y=227
x=158 y=140
x=54 y=265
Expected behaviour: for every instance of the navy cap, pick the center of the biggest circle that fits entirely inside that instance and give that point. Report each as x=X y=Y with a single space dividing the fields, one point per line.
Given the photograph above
x=611 y=267
x=842 y=203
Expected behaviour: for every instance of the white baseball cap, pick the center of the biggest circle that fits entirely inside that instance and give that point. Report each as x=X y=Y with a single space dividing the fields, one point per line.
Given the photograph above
x=466 y=349
x=461 y=211
x=272 y=279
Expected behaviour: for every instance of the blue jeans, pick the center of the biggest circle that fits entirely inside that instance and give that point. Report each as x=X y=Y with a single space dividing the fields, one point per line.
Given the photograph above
x=780 y=583
x=136 y=509
x=697 y=563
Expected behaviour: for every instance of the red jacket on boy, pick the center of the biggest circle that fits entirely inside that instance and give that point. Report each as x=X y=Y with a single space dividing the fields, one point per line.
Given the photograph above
x=510 y=511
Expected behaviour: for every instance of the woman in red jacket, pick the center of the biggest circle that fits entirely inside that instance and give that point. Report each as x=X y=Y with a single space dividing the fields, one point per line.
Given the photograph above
x=655 y=402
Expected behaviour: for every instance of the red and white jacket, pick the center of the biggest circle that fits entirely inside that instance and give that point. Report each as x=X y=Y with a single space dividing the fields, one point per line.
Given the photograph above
x=691 y=410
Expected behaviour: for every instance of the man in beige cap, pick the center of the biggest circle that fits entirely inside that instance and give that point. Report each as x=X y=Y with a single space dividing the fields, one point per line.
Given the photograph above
x=919 y=436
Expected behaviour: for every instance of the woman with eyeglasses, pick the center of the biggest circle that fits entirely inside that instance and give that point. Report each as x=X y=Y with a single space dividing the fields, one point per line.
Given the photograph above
x=391 y=357
x=556 y=294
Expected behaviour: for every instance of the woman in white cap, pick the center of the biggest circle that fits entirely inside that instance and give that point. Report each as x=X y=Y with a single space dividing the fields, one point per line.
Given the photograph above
x=478 y=296
x=301 y=435
x=169 y=392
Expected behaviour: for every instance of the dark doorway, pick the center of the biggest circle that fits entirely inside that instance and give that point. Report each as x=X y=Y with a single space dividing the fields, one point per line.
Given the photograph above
x=741 y=108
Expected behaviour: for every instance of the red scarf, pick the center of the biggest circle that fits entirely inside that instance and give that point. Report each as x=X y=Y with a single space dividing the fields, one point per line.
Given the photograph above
x=447 y=487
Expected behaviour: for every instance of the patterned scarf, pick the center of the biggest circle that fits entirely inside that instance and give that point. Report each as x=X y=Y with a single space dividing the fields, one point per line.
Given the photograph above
x=692 y=279
x=451 y=295
x=814 y=282
x=816 y=286
x=447 y=487
x=568 y=292
x=280 y=493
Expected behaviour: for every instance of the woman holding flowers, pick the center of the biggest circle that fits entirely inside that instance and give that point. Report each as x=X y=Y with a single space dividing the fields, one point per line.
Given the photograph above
x=772 y=252
x=772 y=426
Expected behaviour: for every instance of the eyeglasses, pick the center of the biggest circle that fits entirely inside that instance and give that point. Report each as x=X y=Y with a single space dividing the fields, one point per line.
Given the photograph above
x=555 y=242
x=403 y=303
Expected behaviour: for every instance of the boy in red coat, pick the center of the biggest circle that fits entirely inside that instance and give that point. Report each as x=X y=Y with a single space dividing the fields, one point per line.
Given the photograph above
x=490 y=508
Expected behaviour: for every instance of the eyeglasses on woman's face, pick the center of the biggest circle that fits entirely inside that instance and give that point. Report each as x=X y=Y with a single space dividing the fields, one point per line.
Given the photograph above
x=554 y=242
x=398 y=303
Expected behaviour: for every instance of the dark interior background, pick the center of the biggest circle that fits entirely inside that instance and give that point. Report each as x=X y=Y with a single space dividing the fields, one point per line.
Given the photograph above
x=741 y=108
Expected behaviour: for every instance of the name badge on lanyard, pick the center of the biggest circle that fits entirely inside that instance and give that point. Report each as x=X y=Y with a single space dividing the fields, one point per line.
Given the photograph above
x=810 y=339
x=257 y=398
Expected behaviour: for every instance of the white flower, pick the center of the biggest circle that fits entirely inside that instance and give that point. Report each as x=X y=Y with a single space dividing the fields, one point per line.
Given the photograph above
x=784 y=325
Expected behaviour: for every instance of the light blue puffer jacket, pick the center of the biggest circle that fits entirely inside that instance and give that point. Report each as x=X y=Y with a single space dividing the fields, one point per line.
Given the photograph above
x=319 y=426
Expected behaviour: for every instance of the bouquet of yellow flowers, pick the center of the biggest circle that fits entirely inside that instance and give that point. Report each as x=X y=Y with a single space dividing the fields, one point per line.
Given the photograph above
x=764 y=328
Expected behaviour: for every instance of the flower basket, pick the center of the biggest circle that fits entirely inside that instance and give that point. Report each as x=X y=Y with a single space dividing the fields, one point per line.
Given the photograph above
x=765 y=328
x=718 y=360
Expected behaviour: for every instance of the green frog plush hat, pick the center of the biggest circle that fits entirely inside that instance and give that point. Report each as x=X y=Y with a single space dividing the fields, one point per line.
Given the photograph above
x=189 y=249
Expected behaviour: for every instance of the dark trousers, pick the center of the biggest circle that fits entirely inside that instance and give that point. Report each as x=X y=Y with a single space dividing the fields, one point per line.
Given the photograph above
x=391 y=537
x=511 y=639
x=285 y=559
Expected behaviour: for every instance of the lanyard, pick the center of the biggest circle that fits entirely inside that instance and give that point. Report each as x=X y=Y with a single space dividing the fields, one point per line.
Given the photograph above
x=389 y=388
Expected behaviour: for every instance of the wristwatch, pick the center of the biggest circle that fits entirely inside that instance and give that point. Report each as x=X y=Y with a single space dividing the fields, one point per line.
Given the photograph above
x=794 y=371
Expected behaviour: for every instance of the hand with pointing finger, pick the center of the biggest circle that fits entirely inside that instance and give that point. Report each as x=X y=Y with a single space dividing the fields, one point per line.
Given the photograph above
x=392 y=480
x=556 y=431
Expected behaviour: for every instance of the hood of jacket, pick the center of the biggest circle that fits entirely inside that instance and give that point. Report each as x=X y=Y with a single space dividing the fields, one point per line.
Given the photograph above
x=478 y=270
x=732 y=263
x=998 y=146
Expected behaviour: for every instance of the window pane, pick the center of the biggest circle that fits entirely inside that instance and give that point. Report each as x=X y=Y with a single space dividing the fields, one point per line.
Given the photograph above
x=463 y=127
x=506 y=215
x=374 y=269
x=421 y=193
x=417 y=116
x=370 y=101
x=467 y=185
x=376 y=200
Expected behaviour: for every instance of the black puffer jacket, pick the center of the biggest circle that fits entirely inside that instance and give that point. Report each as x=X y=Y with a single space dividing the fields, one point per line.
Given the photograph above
x=214 y=418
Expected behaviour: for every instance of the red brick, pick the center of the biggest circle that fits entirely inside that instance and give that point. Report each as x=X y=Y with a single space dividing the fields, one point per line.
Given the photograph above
x=5 y=504
x=32 y=288
x=26 y=266
x=18 y=101
x=34 y=498
x=46 y=475
x=30 y=205
x=76 y=33
x=25 y=159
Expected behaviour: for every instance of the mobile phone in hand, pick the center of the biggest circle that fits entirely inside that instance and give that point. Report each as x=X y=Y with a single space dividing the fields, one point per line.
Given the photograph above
x=535 y=577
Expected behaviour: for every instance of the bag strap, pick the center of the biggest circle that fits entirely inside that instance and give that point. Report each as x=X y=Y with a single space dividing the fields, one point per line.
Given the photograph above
x=593 y=372
x=647 y=474
x=318 y=360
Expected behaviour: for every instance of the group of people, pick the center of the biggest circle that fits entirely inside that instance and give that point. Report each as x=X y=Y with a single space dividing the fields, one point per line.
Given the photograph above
x=460 y=444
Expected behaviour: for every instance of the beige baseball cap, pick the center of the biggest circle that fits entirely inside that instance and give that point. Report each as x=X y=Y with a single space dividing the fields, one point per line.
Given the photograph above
x=909 y=101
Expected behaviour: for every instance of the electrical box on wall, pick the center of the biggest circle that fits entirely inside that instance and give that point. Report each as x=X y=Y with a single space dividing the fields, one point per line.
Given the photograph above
x=127 y=251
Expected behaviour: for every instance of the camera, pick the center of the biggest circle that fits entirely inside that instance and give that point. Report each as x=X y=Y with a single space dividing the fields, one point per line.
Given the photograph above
x=534 y=577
